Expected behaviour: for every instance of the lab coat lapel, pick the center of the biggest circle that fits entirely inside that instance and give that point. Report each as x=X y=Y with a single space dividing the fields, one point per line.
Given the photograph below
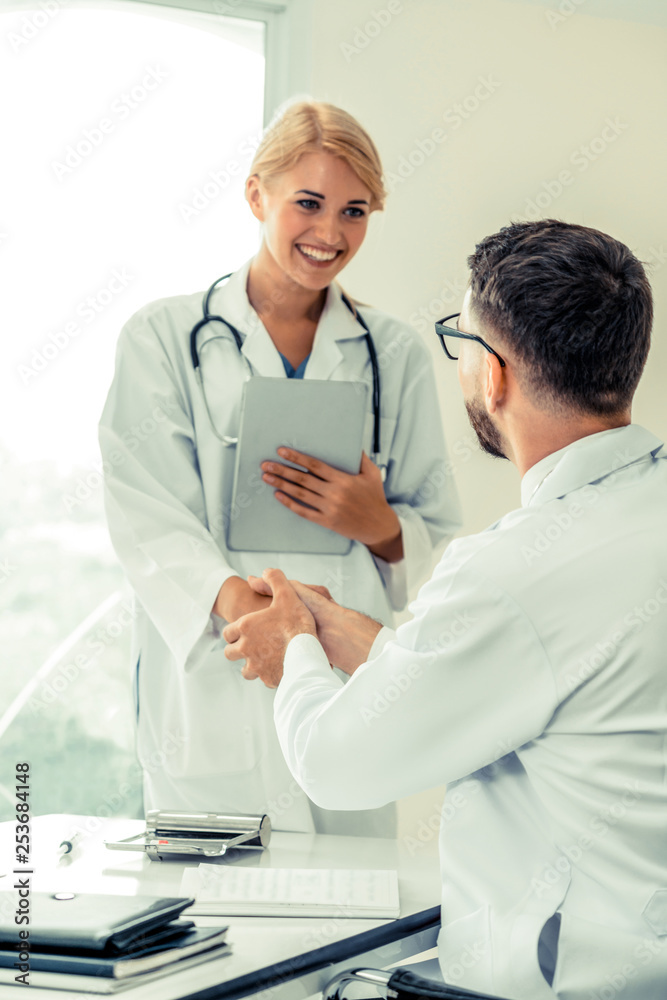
x=261 y=352
x=336 y=323
x=231 y=302
x=595 y=456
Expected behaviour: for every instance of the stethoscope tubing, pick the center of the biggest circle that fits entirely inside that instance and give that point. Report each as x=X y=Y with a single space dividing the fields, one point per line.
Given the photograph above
x=208 y=317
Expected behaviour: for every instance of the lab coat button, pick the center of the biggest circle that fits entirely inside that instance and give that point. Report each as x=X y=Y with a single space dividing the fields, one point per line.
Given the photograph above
x=655 y=912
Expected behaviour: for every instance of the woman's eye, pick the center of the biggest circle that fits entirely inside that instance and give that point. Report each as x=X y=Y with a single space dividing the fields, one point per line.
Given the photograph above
x=308 y=203
x=355 y=213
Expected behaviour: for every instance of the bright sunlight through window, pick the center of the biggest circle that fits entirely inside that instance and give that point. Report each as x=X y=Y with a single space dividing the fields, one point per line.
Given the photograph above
x=128 y=133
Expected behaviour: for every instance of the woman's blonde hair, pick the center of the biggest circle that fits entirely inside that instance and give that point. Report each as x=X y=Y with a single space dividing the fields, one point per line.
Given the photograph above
x=314 y=127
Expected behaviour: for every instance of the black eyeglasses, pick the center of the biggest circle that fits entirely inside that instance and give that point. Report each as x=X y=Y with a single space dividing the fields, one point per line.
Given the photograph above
x=448 y=335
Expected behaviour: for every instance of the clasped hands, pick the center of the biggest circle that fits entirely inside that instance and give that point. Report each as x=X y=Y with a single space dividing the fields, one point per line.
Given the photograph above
x=266 y=613
x=261 y=637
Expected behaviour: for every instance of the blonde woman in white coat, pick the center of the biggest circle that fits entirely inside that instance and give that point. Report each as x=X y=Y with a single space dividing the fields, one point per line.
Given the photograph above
x=206 y=737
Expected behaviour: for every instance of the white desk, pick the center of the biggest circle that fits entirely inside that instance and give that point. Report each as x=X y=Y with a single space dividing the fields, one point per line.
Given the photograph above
x=281 y=958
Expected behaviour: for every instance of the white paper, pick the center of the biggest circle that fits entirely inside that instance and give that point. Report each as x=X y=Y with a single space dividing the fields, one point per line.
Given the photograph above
x=286 y=891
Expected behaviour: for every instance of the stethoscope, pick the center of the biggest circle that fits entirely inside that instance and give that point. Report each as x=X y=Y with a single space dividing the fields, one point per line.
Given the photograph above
x=208 y=317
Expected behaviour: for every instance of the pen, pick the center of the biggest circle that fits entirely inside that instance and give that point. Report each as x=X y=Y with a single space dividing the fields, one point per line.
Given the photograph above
x=68 y=846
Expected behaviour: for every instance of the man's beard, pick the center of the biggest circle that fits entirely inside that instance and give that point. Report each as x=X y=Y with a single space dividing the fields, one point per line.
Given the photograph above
x=487 y=434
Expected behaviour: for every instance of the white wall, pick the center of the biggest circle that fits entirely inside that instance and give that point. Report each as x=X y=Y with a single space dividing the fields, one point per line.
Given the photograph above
x=553 y=83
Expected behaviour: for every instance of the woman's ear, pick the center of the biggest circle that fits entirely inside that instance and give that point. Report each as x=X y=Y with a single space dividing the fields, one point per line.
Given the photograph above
x=255 y=196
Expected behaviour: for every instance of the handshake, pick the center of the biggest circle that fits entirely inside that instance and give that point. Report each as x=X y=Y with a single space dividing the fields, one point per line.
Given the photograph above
x=261 y=637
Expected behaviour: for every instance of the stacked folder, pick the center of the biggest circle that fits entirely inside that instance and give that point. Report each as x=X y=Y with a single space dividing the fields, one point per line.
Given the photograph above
x=100 y=943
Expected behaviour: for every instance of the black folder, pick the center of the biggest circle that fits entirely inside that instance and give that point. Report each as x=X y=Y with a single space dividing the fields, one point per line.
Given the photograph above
x=101 y=924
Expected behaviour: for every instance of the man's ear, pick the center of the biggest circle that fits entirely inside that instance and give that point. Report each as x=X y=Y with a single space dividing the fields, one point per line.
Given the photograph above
x=255 y=196
x=495 y=383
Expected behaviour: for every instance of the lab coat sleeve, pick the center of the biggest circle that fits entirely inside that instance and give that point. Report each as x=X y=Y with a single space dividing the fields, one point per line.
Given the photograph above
x=463 y=683
x=384 y=636
x=420 y=483
x=154 y=498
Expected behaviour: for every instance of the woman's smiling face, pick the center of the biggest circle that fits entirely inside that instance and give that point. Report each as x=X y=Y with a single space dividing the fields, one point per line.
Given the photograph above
x=314 y=217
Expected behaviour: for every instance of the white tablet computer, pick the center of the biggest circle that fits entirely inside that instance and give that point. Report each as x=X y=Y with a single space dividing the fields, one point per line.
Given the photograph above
x=323 y=419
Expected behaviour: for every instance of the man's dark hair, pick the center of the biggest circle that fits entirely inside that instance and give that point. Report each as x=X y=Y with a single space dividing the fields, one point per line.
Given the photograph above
x=573 y=304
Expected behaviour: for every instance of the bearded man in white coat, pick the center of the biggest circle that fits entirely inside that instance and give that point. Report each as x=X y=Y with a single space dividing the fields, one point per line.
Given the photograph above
x=546 y=707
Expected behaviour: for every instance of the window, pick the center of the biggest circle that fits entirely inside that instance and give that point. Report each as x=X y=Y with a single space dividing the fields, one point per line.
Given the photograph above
x=129 y=135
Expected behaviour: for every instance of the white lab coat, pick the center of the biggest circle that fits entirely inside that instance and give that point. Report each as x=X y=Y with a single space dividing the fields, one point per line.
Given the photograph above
x=205 y=735
x=532 y=679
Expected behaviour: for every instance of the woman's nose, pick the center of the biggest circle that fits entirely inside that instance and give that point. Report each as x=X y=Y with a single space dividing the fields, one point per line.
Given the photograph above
x=327 y=229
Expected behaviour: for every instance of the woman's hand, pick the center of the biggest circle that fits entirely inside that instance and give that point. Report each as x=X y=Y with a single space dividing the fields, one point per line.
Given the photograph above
x=352 y=506
x=235 y=598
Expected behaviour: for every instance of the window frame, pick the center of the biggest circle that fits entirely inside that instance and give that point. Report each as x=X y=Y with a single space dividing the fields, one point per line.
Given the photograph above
x=273 y=14
x=287 y=24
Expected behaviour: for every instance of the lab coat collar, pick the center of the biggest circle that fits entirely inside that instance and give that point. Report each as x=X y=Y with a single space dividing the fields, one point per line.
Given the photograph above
x=231 y=301
x=585 y=461
x=336 y=323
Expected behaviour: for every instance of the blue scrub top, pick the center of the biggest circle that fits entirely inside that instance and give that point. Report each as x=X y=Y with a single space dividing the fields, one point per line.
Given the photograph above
x=294 y=372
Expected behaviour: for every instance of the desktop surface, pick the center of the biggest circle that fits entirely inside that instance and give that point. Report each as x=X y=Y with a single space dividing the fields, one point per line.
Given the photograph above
x=292 y=957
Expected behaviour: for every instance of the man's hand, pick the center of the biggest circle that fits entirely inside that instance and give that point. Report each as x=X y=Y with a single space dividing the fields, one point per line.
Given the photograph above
x=235 y=598
x=352 y=506
x=345 y=635
x=261 y=637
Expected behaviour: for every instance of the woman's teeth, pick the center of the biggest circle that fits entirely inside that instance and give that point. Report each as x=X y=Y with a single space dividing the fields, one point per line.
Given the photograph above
x=316 y=254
